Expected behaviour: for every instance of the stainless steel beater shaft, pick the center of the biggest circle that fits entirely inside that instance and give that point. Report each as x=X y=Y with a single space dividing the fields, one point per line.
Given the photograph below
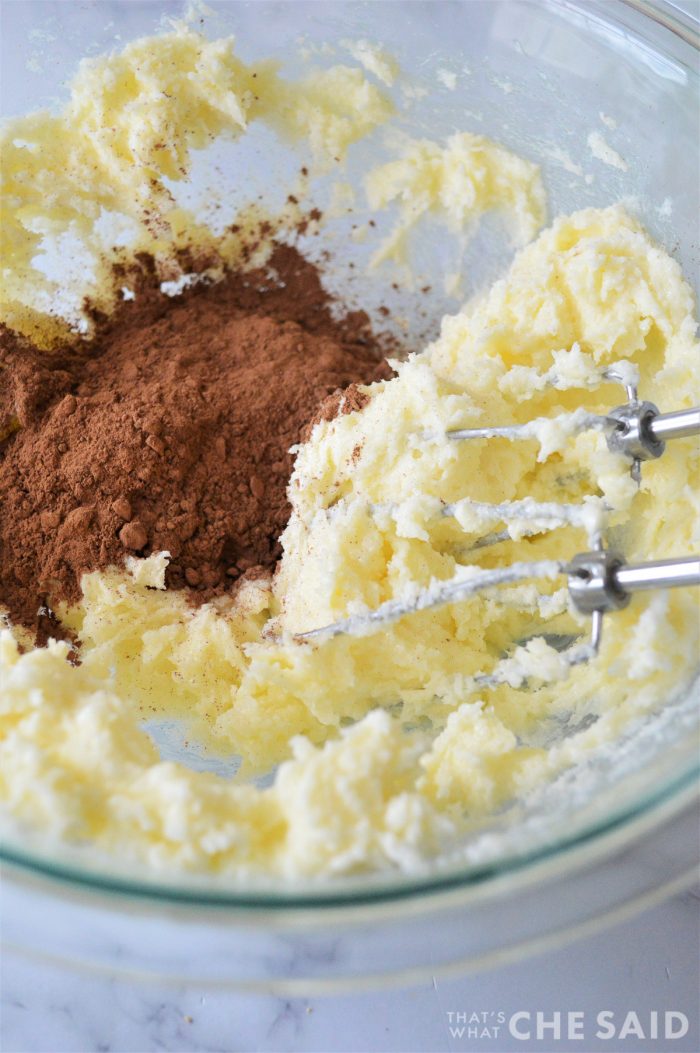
x=602 y=581
x=679 y=425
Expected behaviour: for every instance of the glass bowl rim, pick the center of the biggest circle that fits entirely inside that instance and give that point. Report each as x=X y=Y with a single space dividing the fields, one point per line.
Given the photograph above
x=331 y=897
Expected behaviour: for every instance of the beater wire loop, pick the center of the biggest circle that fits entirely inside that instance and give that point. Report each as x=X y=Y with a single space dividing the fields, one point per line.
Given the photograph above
x=453 y=590
x=598 y=580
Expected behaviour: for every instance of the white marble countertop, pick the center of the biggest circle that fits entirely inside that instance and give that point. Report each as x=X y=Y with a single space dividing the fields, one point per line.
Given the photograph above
x=649 y=963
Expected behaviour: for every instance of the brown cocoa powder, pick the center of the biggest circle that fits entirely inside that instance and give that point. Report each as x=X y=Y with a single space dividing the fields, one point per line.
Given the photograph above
x=170 y=430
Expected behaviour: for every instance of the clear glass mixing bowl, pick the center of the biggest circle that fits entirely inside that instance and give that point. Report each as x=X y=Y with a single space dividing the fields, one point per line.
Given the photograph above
x=537 y=76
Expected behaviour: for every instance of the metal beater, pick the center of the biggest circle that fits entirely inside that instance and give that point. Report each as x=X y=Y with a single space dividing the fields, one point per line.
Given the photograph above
x=598 y=581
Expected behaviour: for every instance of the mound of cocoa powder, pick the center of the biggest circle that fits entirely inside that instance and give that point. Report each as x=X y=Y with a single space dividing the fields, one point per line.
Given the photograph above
x=169 y=430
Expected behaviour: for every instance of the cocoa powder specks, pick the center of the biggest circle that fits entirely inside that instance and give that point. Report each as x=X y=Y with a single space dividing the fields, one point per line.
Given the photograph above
x=170 y=430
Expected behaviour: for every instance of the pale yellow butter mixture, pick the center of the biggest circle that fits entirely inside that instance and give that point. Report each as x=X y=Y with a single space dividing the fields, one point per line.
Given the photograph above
x=389 y=750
